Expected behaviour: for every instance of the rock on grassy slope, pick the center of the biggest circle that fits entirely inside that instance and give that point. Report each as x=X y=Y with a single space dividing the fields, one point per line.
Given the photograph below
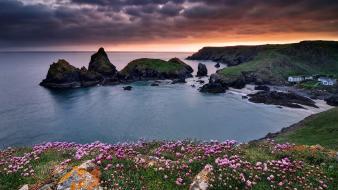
x=271 y=64
x=169 y=165
x=320 y=129
x=145 y=69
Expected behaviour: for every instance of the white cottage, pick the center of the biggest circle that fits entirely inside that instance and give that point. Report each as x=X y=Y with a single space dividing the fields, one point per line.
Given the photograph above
x=296 y=78
x=327 y=81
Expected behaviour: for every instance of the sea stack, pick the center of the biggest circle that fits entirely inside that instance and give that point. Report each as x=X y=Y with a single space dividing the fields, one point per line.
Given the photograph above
x=100 y=63
x=202 y=70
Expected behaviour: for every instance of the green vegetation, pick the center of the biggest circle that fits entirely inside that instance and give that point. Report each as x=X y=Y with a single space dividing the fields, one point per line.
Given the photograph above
x=320 y=129
x=310 y=85
x=153 y=64
x=274 y=63
x=174 y=165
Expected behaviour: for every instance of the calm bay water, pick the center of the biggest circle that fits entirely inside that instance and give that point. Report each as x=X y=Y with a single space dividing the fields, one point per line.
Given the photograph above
x=31 y=114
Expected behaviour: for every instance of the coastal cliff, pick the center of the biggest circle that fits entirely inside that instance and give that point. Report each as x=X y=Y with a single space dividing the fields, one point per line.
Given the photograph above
x=271 y=64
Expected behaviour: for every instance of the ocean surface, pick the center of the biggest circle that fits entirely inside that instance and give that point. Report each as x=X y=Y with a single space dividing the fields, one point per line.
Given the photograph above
x=31 y=114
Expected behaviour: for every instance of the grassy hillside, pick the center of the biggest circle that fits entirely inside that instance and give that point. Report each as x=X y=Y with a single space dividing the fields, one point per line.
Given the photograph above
x=320 y=129
x=274 y=63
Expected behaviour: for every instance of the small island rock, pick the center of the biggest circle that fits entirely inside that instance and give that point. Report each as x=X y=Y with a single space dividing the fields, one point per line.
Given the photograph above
x=150 y=69
x=202 y=70
x=100 y=63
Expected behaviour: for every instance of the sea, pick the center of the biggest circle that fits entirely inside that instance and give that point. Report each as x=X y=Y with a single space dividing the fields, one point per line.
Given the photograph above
x=31 y=114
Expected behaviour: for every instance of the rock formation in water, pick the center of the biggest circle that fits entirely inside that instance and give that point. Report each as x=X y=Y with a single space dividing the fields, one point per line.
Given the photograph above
x=153 y=69
x=280 y=98
x=202 y=70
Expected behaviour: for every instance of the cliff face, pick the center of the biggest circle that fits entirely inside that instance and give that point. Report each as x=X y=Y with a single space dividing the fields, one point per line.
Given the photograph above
x=271 y=64
x=314 y=51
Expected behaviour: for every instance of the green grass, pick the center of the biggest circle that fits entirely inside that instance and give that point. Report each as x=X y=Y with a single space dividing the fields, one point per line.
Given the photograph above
x=276 y=63
x=320 y=129
x=153 y=64
x=310 y=85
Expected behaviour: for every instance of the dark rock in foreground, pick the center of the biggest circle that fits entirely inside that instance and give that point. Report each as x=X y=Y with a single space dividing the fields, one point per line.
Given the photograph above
x=280 y=98
x=217 y=65
x=332 y=101
x=150 y=69
x=202 y=70
x=213 y=88
x=127 y=88
x=262 y=87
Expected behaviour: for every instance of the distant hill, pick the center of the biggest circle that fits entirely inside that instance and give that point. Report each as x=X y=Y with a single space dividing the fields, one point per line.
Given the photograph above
x=272 y=63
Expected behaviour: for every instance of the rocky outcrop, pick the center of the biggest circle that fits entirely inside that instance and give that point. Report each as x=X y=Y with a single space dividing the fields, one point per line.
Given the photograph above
x=90 y=78
x=202 y=70
x=100 y=63
x=282 y=99
x=127 y=88
x=62 y=75
x=156 y=69
x=217 y=65
x=332 y=100
x=203 y=179
x=213 y=88
x=85 y=177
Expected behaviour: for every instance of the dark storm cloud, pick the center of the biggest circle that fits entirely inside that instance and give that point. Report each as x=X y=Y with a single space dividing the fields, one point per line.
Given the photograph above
x=67 y=22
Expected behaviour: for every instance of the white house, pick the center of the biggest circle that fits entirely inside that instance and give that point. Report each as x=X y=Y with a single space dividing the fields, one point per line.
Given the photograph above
x=296 y=78
x=327 y=81
x=309 y=78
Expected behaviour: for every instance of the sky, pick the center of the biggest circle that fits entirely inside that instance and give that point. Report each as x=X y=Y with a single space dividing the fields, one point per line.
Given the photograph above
x=161 y=25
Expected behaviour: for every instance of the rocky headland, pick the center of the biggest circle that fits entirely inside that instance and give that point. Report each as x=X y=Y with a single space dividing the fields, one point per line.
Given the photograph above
x=270 y=64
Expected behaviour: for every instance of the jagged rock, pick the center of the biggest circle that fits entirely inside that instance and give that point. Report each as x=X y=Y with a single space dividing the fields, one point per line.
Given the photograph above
x=244 y=97
x=84 y=177
x=62 y=75
x=127 y=88
x=217 y=65
x=262 y=87
x=213 y=88
x=202 y=70
x=100 y=63
x=202 y=179
x=150 y=69
x=332 y=100
x=280 y=98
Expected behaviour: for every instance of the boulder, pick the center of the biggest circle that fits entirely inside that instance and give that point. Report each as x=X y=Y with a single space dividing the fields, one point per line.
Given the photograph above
x=217 y=65
x=62 y=75
x=85 y=177
x=262 y=87
x=282 y=99
x=127 y=88
x=202 y=179
x=213 y=88
x=332 y=100
x=100 y=63
x=202 y=70
x=200 y=81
